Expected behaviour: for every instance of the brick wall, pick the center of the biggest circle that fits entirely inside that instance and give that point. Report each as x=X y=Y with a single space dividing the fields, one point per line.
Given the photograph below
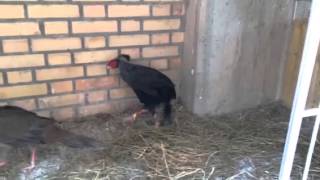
x=53 y=52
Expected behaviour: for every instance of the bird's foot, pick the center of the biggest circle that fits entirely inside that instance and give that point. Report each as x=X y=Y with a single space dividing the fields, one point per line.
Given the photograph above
x=29 y=168
x=32 y=162
x=134 y=117
x=157 y=121
x=157 y=124
x=129 y=120
x=2 y=163
x=138 y=113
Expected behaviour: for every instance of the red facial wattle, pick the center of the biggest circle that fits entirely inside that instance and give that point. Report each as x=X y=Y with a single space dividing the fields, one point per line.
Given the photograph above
x=113 y=64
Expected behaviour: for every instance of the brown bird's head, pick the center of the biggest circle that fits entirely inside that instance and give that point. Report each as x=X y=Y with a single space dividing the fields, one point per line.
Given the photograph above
x=114 y=63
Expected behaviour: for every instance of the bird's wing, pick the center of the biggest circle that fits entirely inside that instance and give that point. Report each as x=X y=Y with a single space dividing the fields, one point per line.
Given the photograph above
x=147 y=80
x=19 y=127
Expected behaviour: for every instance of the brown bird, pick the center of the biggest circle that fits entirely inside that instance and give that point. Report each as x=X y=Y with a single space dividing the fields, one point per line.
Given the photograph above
x=21 y=128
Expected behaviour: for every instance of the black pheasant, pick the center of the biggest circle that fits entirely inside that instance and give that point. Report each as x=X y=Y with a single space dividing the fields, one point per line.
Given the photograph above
x=153 y=88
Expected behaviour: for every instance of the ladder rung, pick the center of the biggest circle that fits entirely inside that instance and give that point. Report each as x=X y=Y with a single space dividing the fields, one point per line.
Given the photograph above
x=310 y=112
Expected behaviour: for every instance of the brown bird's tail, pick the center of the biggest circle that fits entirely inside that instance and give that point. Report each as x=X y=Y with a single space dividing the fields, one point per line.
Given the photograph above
x=79 y=141
x=55 y=134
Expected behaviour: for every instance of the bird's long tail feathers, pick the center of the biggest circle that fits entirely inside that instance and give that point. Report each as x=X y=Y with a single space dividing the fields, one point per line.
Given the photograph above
x=167 y=113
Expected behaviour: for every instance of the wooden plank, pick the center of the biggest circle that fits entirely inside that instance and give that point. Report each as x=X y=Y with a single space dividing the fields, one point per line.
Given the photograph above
x=314 y=93
x=292 y=68
x=293 y=62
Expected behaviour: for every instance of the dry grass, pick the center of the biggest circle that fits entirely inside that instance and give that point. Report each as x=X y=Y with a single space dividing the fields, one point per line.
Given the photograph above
x=243 y=145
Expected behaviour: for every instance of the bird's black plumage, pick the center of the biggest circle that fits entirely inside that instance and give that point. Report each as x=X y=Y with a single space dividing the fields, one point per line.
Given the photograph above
x=152 y=87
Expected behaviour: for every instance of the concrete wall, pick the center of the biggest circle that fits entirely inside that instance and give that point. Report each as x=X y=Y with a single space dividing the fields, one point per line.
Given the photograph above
x=234 y=53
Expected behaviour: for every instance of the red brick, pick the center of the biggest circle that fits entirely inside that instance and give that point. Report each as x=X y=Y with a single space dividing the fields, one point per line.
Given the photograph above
x=161 y=24
x=121 y=93
x=162 y=38
x=21 y=61
x=141 y=62
x=28 y=104
x=113 y=71
x=160 y=51
x=161 y=10
x=163 y=0
x=128 y=40
x=19 y=28
x=178 y=9
x=61 y=87
x=15 y=45
x=19 y=76
x=97 y=96
x=96 y=70
x=94 y=109
x=50 y=44
x=128 y=10
x=94 y=26
x=115 y=106
x=94 y=0
x=159 y=64
x=59 y=58
x=172 y=74
x=44 y=113
x=11 y=11
x=95 y=56
x=97 y=83
x=59 y=101
x=94 y=11
x=124 y=104
x=130 y=25
x=53 y=11
x=133 y=52
x=63 y=113
x=177 y=37
x=59 y=73
x=22 y=91
x=95 y=42
x=56 y=27
x=1 y=78
x=175 y=63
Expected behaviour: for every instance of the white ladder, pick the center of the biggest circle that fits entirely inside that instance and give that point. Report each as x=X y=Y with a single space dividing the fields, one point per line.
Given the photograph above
x=300 y=99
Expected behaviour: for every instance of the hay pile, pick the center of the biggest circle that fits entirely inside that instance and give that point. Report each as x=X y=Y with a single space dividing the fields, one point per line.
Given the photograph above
x=244 y=145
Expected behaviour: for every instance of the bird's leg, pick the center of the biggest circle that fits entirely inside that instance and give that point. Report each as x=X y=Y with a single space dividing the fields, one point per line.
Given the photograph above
x=136 y=114
x=157 y=121
x=2 y=163
x=32 y=161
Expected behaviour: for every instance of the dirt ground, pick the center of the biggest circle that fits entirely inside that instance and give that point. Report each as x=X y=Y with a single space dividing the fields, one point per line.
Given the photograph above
x=240 y=146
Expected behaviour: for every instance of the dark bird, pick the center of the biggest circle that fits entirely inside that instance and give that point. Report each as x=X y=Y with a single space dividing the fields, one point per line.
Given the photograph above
x=153 y=88
x=21 y=128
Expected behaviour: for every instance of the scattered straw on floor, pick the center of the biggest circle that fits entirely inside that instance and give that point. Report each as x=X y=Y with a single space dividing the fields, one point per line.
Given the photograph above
x=243 y=145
